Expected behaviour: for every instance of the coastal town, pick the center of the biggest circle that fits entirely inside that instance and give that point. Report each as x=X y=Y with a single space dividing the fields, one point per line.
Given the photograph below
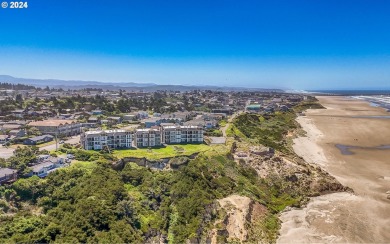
x=93 y=119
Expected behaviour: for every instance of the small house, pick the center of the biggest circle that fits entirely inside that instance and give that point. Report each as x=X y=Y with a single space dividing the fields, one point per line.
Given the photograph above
x=38 y=140
x=97 y=112
x=42 y=169
x=17 y=133
x=7 y=175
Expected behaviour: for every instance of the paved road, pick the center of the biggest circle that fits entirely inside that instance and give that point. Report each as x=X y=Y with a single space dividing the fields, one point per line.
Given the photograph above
x=73 y=140
x=8 y=152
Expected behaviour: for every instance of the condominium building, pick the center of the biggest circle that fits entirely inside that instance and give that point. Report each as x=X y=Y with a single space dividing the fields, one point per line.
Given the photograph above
x=150 y=137
x=57 y=127
x=182 y=134
x=97 y=140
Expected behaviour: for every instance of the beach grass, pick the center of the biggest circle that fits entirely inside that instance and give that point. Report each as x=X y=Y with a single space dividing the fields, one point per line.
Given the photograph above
x=89 y=166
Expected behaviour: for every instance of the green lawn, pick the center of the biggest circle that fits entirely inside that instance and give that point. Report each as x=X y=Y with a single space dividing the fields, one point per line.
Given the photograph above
x=168 y=151
x=46 y=144
x=222 y=123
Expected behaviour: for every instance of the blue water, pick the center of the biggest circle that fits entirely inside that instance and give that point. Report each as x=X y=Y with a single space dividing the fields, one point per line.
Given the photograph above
x=353 y=92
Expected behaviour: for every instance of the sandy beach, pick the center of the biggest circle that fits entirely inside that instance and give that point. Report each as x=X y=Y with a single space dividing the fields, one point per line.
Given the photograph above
x=363 y=217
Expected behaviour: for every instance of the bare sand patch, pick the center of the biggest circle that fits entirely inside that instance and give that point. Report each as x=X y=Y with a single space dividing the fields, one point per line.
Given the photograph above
x=237 y=208
x=304 y=146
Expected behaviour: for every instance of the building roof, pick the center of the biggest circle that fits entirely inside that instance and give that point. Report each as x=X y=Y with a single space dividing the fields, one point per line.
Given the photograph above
x=51 y=122
x=6 y=171
x=11 y=126
x=18 y=111
x=182 y=127
x=96 y=132
x=38 y=167
x=3 y=137
x=254 y=106
x=38 y=138
x=147 y=130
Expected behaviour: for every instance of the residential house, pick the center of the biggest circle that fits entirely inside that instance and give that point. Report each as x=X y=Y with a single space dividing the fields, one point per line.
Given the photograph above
x=46 y=165
x=93 y=119
x=142 y=115
x=253 y=108
x=20 y=113
x=130 y=117
x=7 y=175
x=113 y=120
x=97 y=112
x=149 y=123
x=9 y=127
x=223 y=110
x=17 y=133
x=38 y=140
x=43 y=169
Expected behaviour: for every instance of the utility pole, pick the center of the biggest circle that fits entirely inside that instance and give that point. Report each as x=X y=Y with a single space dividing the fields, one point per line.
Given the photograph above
x=56 y=140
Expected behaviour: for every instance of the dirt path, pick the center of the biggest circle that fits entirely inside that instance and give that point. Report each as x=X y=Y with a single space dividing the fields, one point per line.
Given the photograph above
x=223 y=129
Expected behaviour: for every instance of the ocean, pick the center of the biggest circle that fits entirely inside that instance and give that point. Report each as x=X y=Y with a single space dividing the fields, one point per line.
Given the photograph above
x=352 y=92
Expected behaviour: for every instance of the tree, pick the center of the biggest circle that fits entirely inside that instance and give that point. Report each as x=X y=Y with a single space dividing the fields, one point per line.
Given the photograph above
x=33 y=131
x=19 y=98
x=28 y=189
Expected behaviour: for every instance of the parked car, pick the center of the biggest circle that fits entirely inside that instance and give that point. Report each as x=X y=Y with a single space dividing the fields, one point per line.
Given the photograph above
x=70 y=156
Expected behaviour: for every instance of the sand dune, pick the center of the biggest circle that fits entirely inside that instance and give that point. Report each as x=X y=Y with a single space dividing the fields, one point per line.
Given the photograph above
x=343 y=217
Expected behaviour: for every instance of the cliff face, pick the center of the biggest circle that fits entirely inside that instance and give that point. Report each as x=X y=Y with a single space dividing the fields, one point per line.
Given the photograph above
x=240 y=220
x=245 y=220
x=295 y=177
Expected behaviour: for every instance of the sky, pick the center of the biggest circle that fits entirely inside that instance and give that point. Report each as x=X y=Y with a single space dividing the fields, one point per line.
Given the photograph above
x=300 y=44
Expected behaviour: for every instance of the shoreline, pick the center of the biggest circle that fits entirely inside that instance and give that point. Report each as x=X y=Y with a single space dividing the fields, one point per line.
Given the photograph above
x=343 y=217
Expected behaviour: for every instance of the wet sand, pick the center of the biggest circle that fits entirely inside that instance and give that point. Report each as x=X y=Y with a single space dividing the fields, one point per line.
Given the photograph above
x=362 y=217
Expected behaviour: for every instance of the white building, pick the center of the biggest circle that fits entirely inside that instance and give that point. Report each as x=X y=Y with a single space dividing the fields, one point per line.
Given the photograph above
x=182 y=134
x=97 y=140
x=150 y=137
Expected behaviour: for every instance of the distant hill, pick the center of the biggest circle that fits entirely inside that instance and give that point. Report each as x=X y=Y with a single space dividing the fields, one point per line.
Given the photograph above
x=149 y=87
x=57 y=83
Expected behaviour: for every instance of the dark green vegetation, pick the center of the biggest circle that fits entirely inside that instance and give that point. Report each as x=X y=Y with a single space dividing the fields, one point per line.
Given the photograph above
x=310 y=103
x=213 y=132
x=269 y=130
x=5 y=85
x=132 y=205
